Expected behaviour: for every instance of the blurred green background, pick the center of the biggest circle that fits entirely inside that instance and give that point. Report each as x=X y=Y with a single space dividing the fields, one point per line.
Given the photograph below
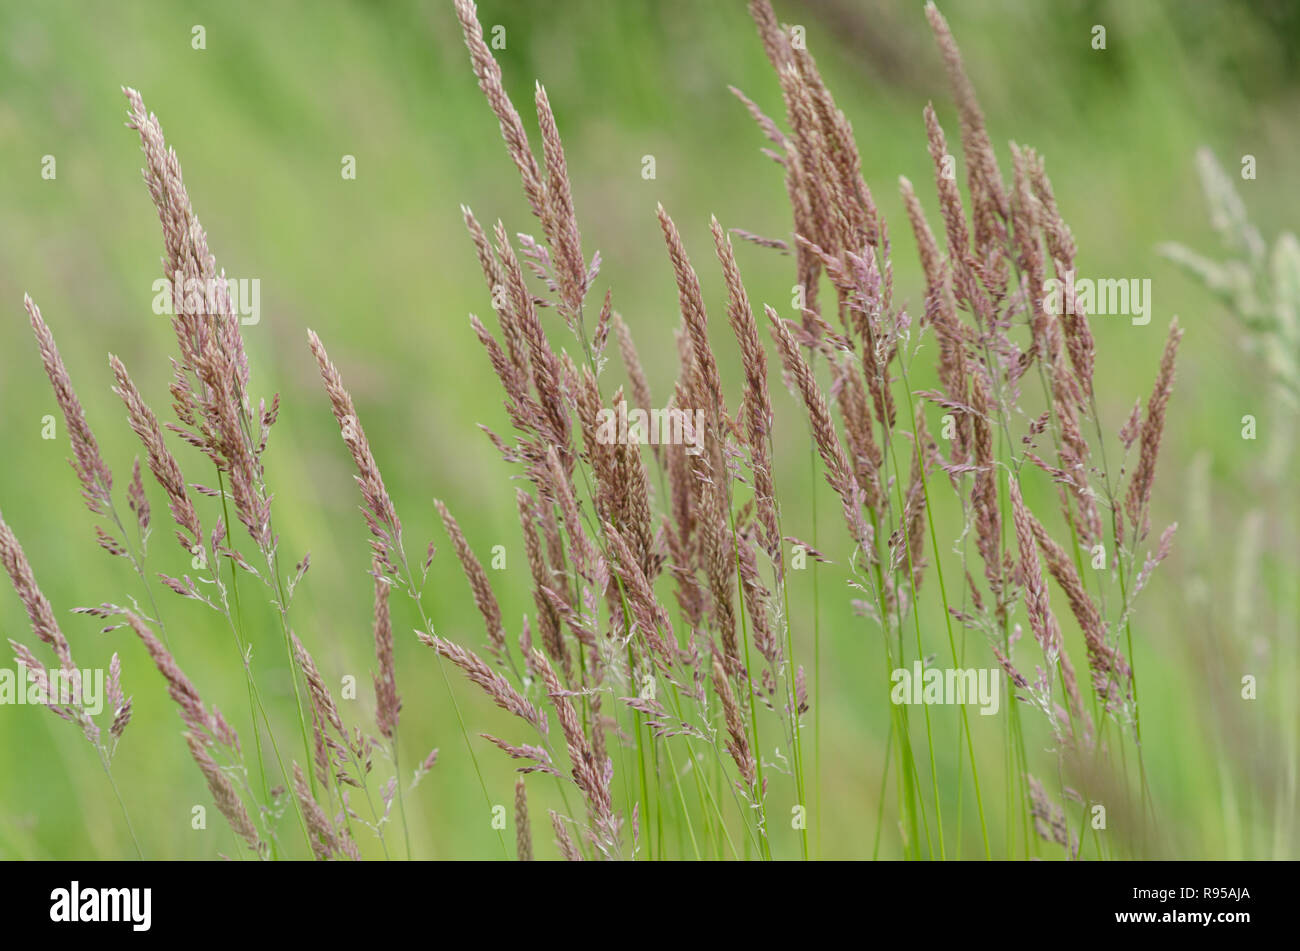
x=382 y=269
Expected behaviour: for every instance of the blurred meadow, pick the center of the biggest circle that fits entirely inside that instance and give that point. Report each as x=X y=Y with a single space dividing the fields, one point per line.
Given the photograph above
x=382 y=269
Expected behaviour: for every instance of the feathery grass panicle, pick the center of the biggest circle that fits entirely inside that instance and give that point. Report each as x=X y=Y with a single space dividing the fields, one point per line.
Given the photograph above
x=738 y=744
x=202 y=724
x=914 y=505
x=546 y=368
x=381 y=516
x=774 y=134
x=1111 y=675
x=138 y=501
x=63 y=696
x=592 y=777
x=966 y=288
x=185 y=245
x=37 y=673
x=207 y=328
x=984 y=493
x=587 y=558
x=561 y=224
x=329 y=840
x=1137 y=504
x=38 y=607
x=93 y=473
x=635 y=513
x=1050 y=820
x=1026 y=221
x=757 y=404
x=757 y=598
x=205 y=731
x=932 y=263
x=1079 y=343
x=321 y=698
x=523 y=833
x=851 y=398
x=707 y=386
x=492 y=683
x=775 y=41
x=718 y=560
x=225 y=794
x=483 y=251
x=388 y=704
x=484 y=599
x=547 y=619
x=161 y=461
x=117 y=701
x=1261 y=286
x=568 y=850
x=988 y=194
x=320 y=829
x=651 y=619
x=1041 y=619
x=512 y=127
x=839 y=473
x=1059 y=238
